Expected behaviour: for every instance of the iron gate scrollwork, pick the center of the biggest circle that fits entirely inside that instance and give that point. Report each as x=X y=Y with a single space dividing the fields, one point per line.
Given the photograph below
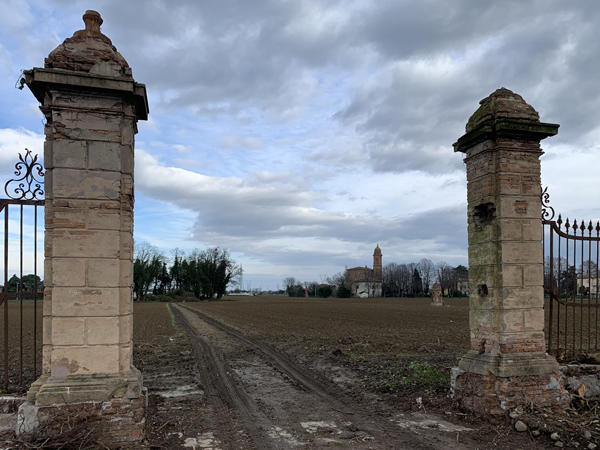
x=21 y=291
x=571 y=275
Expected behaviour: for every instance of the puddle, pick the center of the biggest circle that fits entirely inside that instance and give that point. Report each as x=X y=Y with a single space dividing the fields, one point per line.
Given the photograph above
x=426 y=422
x=280 y=433
x=181 y=391
x=313 y=427
x=204 y=441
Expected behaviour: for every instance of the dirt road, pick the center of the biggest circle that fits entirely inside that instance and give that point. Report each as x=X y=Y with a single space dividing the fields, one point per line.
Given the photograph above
x=263 y=399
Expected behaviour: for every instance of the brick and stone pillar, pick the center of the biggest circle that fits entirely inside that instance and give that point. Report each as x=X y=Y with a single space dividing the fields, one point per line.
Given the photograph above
x=507 y=364
x=91 y=104
x=436 y=295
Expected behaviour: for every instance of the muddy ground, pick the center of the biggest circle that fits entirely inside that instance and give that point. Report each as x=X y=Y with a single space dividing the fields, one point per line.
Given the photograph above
x=277 y=373
x=389 y=359
x=22 y=347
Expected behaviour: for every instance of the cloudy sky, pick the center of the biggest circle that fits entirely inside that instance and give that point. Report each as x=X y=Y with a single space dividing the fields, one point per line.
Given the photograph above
x=301 y=133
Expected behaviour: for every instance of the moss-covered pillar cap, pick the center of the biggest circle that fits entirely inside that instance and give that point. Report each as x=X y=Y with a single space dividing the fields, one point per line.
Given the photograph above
x=504 y=114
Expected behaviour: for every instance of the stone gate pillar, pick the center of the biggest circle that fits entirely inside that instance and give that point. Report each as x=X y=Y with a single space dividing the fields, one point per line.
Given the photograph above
x=91 y=104
x=507 y=364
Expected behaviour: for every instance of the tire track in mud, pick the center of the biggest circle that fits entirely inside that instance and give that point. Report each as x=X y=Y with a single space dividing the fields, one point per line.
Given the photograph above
x=226 y=395
x=384 y=432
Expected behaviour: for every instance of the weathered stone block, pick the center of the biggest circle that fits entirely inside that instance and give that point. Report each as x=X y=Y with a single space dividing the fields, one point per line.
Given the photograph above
x=522 y=297
x=102 y=272
x=104 y=219
x=48 y=155
x=102 y=330
x=533 y=319
x=480 y=235
x=105 y=156
x=48 y=276
x=92 y=135
x=533 y=275
x=127 y=159
x=532 y=229
x=68 y=331
x=513 y=320
x=125 y=357
x=125 y=273
x=510 y=229
x=519 y=207
x=126 y=251
x=485 y=253
x=86 y=244
x=491 y=276
x=485 y=320
x=126 y=329
x=83 y=120
x=512 y=275
x=46 y=358
x=68 y=272
x=128 y=128
x=508 y=184
x=69 y=154
x=97 y=359
x=88 y=99
x=82 y=302
x=71 y=183
x=521 y=252
x=70 y=217
x=125 y=300
x=47 y=301
x=47 y=330
x=48 y=179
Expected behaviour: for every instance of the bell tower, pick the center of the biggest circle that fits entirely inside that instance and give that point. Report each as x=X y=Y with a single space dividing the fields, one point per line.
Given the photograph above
x=377 y=266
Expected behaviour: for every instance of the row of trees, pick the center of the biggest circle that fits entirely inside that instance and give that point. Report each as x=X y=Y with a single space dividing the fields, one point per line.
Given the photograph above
x=414 y=279
x=562 y=276
x=398 y=280
x=297 y=288
x=205 y=273
x=29 y=283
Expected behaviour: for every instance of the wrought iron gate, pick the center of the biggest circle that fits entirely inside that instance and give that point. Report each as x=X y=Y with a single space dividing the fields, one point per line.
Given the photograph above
x=571 y=275
x=21 y=294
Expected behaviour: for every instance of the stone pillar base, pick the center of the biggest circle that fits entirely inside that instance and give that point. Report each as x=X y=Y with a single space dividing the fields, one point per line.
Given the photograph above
x=495 y=395
x=509 y=364
x=112 y=405
x=48 y=390
x=118 y=423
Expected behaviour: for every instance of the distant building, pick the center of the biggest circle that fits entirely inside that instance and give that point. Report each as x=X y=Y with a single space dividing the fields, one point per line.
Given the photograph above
x=584 y=286
x=365 y=282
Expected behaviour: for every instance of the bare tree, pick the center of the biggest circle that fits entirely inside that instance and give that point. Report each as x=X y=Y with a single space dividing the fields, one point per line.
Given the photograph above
x=588 y=268
x=444 y=275
x=290 y=285
x=342 y=284
x=426 y=269
x=147 y=265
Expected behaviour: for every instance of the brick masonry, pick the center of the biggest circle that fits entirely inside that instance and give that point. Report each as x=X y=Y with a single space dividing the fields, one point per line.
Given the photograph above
x=117 y=423
x=507 y=363
x=91 y=104
x=492 y=395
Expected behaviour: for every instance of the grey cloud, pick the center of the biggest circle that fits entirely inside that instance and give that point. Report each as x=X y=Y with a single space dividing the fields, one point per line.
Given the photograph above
x=248 y=142
x=227 y=57
x=276 y=206
x=439 y=234
x=407 y=121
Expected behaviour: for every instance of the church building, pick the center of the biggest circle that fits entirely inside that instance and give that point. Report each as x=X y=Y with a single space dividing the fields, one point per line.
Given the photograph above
x=365 y=282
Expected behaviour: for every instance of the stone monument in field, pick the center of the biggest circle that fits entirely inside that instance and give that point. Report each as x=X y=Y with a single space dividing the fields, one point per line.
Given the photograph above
x=507 y=364
x=436 y=295
x=91 y=105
